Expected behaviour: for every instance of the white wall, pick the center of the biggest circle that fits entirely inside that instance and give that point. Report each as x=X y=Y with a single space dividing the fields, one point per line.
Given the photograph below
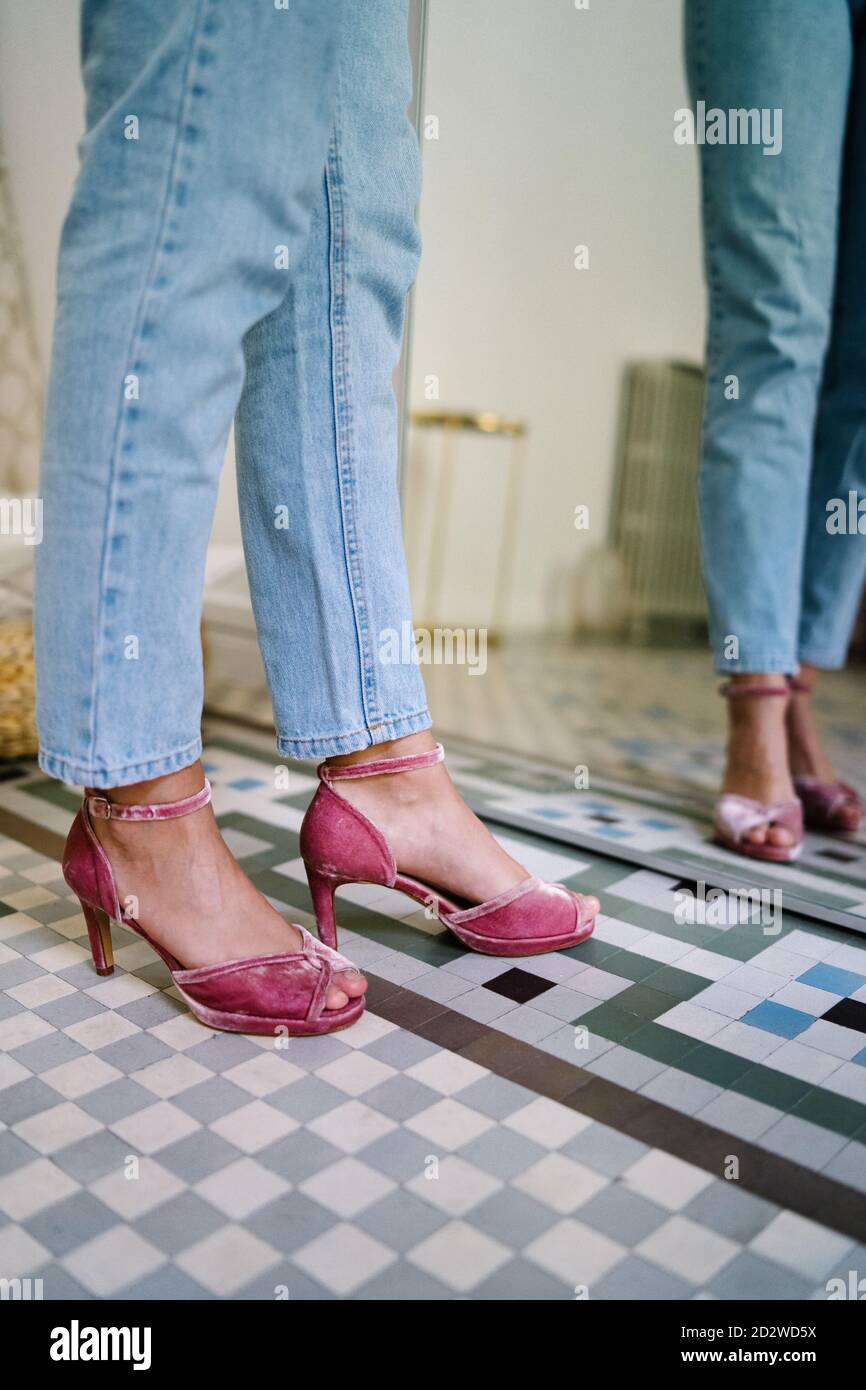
x=555 y=128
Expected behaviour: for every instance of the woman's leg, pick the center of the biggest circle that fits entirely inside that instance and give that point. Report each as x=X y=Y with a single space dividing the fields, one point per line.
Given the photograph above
x=207 y=130
x=835 y=556
x=317 y=453
x=770 y=228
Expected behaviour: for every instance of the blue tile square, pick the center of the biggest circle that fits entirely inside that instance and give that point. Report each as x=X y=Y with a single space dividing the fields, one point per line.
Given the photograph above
x=247 y=784
x=778 y=1019
x=831 y=978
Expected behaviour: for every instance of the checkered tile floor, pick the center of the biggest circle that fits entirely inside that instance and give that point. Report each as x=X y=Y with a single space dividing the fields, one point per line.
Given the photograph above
x=420 y=1154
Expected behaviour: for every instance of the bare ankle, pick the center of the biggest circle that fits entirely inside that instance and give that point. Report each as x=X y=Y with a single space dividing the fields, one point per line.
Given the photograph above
x=174 y=786
x=392 y=748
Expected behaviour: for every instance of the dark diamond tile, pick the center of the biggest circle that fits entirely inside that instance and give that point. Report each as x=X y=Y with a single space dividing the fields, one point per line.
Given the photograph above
x=180 y=1222
x=27 y=1098
x=68 y=1224
x=848 y=1013
x=519 y=985
x=290 y=1221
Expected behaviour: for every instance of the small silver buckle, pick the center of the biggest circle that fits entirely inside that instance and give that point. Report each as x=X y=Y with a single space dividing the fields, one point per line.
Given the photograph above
x=106 y=803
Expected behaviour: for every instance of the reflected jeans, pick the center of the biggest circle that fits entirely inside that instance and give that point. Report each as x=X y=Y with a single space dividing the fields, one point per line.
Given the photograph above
x=240 y=242
x=784 y=239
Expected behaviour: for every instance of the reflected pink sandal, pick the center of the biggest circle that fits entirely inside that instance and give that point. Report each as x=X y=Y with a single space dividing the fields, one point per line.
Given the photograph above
x=735 y=816
x=259 y=994
x=340 y=845
x=827 y=806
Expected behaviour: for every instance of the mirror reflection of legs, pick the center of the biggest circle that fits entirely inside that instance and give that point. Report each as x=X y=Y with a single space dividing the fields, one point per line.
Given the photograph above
x=559 y=572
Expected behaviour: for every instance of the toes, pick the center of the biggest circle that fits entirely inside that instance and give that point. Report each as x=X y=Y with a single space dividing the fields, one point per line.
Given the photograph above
x=352 y=982
x=349 y=984
x=757 y=836
x=591 y=908
x=780 y=836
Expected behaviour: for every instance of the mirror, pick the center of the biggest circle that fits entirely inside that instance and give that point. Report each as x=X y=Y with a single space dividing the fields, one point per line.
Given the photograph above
x=555 y=390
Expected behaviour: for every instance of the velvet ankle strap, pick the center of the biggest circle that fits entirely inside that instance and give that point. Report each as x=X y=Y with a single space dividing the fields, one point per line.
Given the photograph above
x=409 y=763
x=733 y=688
x=800 y=687
x=101 y=808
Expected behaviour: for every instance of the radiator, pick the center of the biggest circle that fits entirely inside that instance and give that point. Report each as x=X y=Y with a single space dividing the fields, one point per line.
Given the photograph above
x=654 y=529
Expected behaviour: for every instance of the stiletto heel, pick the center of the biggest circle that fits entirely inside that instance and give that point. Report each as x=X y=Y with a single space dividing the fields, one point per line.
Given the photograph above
x=99 y=931
x=340 y=845
x=276 y=994
x=322 y=890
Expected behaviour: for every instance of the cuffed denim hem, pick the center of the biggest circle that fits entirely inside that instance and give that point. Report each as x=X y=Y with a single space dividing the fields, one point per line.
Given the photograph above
x=826 y=660
x=755 y=663
x=328 y=746
x=81 y=775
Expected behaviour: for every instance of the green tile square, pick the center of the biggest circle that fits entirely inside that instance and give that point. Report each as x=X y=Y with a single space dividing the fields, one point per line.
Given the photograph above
x=591 y=952
x=265 y=859
x=697 y=934
x=284 y=890
x=636 y=914
x=630 y=966
x=56 y=793
x=680 y=983
x=684 y=931
x=245 y=750
x=610 y=1022
x=712 y=1064
x=597 y=876
x=661 y=1044
x=771 y=1087
x=839 y=1113
x=433 y=950
x=645 y=1001
x=741 y=943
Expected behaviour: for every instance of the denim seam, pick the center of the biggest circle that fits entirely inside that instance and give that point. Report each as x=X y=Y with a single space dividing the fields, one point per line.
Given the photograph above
x=350 y=733
x=63 y=766
x=326 y=746
x=134 y=348
x=343 y=420
x=759 y=663
x=825 y=658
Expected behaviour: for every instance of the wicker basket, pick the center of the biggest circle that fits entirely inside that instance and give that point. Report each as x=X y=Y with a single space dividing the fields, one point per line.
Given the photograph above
x=17 y=690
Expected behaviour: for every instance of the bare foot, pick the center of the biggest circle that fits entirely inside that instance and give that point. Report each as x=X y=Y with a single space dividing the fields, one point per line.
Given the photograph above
x=179 y=880
x=432 y=832
x=757 y=765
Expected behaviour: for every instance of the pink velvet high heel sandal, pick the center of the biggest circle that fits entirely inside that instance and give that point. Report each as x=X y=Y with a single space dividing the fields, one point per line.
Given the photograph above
x=827 y=806
x=735 y=816
x=340 y=845
x=259 y=994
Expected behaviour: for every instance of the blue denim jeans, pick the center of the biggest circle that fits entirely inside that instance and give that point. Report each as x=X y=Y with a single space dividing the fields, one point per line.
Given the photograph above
x=241 y=239
x=784 y=238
